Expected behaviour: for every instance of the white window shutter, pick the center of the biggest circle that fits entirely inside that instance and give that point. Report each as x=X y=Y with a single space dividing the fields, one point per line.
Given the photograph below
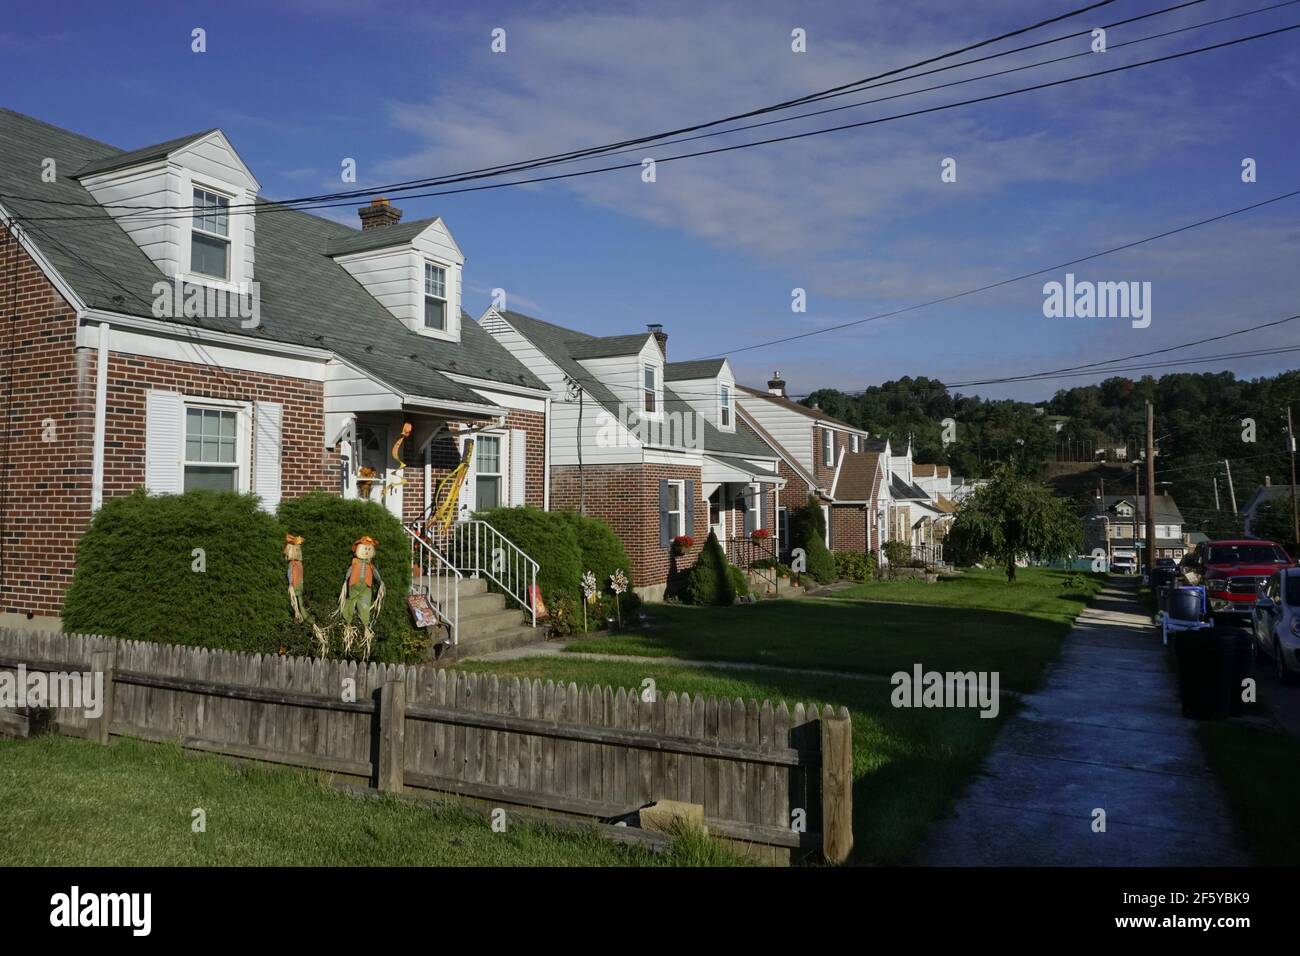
x=267 y=418
x=518 y=467
x=164 y=444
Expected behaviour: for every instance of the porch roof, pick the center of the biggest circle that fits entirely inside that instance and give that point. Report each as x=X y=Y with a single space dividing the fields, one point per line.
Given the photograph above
x=738 y=470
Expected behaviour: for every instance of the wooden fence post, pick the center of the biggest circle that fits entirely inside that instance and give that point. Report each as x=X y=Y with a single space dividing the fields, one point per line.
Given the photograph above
x=392 y=735
x=98 y=728
x=837 y=785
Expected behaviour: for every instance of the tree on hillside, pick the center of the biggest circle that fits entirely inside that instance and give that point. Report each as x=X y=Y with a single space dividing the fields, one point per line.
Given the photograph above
x=1013 y=515
x=1273 y=521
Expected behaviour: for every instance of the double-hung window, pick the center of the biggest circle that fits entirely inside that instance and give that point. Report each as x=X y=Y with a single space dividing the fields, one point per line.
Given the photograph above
x=828 y=447
x=435 y=297
x=855 y=444
x=676 y=509
x=650 y=389
x=210 y=235
x=487 y=485
x=724 y=412
x=211 y=449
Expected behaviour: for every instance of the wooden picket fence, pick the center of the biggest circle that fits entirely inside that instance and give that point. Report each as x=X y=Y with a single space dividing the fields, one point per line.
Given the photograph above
x=773 y=779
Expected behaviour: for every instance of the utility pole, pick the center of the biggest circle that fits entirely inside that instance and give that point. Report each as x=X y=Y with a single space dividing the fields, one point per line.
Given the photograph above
x=1216 y=493
x=1232 y=495
x=1151 y=491
x=1290 y=440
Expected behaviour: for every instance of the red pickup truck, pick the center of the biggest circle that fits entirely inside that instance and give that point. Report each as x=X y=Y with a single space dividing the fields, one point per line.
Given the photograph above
x=1232 y=571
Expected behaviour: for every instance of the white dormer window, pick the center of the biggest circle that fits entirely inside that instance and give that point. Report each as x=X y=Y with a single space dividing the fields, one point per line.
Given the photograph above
x=724 y=407
x=855 y=444
x=650 y=390
x=435 y=297
x=210 y=235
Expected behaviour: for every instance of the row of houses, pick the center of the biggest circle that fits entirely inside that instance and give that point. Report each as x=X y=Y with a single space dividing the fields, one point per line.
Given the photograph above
x=169 y=329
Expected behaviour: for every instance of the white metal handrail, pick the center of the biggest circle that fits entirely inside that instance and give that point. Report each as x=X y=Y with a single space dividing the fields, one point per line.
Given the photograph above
x=441 y=581
x=476 y=548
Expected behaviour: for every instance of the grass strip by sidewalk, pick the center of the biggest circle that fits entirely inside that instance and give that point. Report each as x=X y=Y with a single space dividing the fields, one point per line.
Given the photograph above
x=908 y=764
x=68 y=802
x=977 y=622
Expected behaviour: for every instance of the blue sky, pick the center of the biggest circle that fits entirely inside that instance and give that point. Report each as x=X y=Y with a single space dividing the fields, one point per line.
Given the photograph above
x=713 y=248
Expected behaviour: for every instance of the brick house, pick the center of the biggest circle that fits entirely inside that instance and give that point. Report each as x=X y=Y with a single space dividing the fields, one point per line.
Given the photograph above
x=236 y=345
x=652 y=447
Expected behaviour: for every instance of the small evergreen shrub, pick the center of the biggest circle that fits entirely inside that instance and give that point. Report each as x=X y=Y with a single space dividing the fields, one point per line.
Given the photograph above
x=808 y=531
x=602 y=551
x=140 y=577
x=739 y=583
x=710 y=582
x=329 y=524
x=854 y=566
x=552 y=541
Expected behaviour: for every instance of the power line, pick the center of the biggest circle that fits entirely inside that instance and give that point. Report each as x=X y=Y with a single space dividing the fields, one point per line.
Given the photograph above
x=271 y=207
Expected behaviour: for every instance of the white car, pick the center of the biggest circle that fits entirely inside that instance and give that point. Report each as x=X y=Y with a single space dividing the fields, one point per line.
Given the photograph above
x=1276 y=623
x=1123 y=564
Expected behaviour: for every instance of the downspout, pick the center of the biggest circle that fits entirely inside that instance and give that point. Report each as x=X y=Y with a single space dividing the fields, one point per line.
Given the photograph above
x=101 y=410
x=546 y=458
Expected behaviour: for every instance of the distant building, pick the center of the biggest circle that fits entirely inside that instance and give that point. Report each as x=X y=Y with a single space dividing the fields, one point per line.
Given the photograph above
x=1123 y=518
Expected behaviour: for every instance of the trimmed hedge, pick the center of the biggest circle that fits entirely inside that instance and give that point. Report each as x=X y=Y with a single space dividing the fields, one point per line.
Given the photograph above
x=329 y=525
x=854 y=565
x=602 y=550
x=808 y=531
x=710 y=582
x=138 y=576
x=551 y=541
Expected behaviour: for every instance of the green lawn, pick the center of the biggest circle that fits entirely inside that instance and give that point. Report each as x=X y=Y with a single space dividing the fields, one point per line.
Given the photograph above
x=976 y=622
x=908 y=765
x=1260 y=771
x=68 y=802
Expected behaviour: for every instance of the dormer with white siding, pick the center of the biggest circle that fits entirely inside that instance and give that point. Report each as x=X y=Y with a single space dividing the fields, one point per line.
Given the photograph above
x=708 y=386
x=413 y=269
x=630 y=366
x=202 y=174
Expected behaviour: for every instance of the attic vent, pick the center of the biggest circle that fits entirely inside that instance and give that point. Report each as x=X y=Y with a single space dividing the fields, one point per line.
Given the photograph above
x=493 y=323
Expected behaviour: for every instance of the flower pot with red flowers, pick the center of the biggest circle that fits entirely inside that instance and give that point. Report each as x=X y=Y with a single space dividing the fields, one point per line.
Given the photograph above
x=681 y=544
x=760 y=534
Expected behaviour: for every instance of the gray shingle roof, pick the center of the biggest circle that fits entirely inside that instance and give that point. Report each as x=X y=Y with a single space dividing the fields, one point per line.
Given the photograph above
x=398 y=234
x=145 y=154
x=700 y=368
x=1166 y=510
x=608 y=346
x=558 y=344
x=306 y=297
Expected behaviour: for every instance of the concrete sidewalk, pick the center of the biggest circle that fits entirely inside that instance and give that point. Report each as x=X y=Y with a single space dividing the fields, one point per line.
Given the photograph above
x=1104 y=732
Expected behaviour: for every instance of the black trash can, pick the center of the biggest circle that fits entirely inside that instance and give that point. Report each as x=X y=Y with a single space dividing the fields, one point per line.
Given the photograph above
x=1162 y=598
x=1234 y=667
x=1163 y=578
x=1197 y=656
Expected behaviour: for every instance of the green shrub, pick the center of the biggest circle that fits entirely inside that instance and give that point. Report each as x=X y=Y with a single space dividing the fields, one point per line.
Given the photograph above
x=808 y=532
x=137 y=576
x=329 y=525
x=739 y=583
x=551 y=540
x=602 y=551
x=854 y=566
x=709 y=582
x=899 y=554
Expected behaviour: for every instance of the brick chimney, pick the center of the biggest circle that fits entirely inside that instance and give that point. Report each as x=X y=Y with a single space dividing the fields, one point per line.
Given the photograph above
x=661 y=337
x=776 y=385
x=378 y=213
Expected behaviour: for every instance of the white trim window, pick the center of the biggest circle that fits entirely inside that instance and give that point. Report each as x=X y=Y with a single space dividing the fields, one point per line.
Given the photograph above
x=650 y=390
x=435 y=297
x=214 y=452
x=724 y=407
x=754 y=505
x=210 y=234
x=676 y=509
x=828 y=447
x=783 y=526
x=855 y=444
x=489 y=480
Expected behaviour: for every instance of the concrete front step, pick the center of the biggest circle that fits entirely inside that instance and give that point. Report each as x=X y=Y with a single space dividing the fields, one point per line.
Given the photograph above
x=504 y=640
x=465 y=586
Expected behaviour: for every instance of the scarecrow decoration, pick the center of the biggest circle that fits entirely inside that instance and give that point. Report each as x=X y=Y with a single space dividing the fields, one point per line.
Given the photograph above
x=293 y=554
x=362 y=595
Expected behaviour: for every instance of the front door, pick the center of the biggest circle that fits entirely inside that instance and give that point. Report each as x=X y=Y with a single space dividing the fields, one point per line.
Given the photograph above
x=377 y=473
x=718 y=514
